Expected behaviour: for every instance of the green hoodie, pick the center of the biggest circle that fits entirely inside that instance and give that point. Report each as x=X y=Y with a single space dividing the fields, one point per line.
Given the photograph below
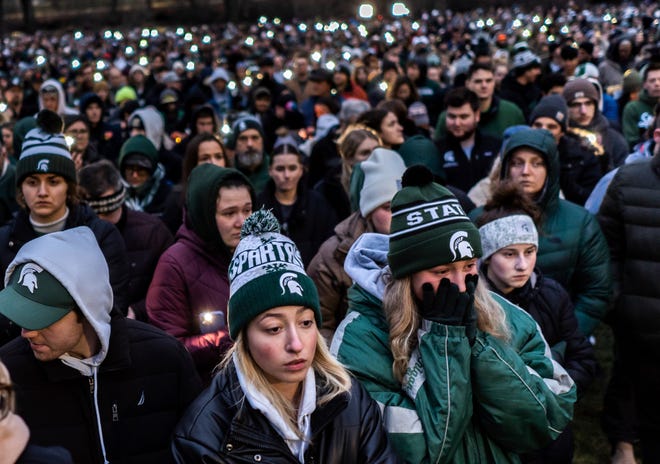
x=204 y=184
x=637 y=115
x=572 y=248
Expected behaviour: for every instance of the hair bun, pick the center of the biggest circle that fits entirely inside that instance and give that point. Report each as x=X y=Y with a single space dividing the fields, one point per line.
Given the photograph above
x=50 y=122
x=417 y=175
x=260 y=222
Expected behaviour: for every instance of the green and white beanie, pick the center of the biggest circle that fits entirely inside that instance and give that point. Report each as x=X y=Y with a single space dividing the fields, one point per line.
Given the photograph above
x=44 y=151
x=509 y=230
x=265 y=272
x=429 y=226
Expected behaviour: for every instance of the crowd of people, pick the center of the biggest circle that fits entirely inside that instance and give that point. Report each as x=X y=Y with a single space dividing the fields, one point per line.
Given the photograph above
x=383 y=240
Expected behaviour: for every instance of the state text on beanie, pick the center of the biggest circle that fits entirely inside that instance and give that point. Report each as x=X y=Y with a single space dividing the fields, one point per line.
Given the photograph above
x=429 y=226
x=265 y=272
x=382 y=179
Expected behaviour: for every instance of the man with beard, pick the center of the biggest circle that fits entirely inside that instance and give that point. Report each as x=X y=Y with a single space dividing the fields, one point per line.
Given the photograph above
x=249 y=155
x=466 y=154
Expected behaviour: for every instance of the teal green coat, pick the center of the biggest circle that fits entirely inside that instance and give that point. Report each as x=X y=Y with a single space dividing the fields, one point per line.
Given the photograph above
x=572 y=250
x=459 y=404
x=637 y=115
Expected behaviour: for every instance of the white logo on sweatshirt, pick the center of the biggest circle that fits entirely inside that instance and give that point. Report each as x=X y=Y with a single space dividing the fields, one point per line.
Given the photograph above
x=288 y=282
x=43 y=165
x=28 y=276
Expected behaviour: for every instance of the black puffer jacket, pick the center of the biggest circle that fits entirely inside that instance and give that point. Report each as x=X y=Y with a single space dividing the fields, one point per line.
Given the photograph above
x=630 y=219
x=310 y=223
x=221 y=426
x=19 y=231
x=144 y=385
x=550 y=306
x=146 y=239
x=580 y=168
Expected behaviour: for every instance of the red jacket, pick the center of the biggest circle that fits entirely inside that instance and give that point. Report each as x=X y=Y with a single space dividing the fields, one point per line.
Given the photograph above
x=189 y=280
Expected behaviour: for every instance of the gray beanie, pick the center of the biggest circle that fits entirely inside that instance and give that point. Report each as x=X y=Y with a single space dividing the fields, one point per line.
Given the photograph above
x=382 y=179
x=580 y=88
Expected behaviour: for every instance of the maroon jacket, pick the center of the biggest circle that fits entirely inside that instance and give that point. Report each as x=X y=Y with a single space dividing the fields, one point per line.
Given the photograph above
x=190 y=279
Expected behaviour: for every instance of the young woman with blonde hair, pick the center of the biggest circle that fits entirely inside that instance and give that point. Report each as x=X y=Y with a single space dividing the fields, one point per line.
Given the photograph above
x=461 y=374
x=280 y=396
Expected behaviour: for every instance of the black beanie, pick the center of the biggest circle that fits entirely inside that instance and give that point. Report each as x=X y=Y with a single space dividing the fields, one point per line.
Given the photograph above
x=553 y=107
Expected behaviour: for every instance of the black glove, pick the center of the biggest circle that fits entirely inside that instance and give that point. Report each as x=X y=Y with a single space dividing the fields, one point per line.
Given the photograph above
x=446 y=306
x=470 y=316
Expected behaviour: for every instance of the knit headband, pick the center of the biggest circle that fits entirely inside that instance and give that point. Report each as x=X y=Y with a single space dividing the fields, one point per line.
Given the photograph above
x=507 y=231
x=108 y=203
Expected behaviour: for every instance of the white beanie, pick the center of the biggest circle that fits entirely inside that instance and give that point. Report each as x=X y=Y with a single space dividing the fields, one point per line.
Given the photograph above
x=382 y=179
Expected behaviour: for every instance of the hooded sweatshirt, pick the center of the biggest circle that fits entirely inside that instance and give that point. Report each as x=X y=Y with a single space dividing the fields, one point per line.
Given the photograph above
x=62 y=108
x=88 y=282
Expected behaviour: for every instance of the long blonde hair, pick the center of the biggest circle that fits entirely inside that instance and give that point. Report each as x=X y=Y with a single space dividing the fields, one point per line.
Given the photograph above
x=332 y=377
x=404 y=320
x=347 y=144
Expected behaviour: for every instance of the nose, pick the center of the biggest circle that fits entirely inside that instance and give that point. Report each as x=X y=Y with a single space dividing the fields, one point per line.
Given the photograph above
x=42 y=189
x=25 y=333
x=294 y=343
x=522 y=263
x=240 y=218
x=526 y=168
x=458 y=279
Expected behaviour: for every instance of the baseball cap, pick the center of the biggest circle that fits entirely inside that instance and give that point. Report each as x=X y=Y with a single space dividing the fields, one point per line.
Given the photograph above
x=34 y=299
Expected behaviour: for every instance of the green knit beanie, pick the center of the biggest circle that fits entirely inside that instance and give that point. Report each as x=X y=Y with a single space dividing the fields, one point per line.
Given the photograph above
x=429 y=227
x=45 y=150
x=266 y=272
x=139 y=145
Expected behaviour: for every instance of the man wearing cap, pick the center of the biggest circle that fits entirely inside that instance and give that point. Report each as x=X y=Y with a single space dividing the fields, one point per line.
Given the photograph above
x=250 y=156
x=496 y=113
x=581 y=164
x=298 y=84
x=582 y=98
x=106 y=388
x=221 y=99
x=637 y=115
x=145 y=177
x=519 y=86
x=14 y=97
x=320 y=85
x=466 y=154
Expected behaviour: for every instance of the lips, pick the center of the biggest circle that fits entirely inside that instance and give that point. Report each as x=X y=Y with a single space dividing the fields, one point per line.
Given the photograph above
x=296 y=365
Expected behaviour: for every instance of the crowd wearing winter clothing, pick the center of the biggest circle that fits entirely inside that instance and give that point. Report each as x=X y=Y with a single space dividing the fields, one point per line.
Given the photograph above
x=426 y=216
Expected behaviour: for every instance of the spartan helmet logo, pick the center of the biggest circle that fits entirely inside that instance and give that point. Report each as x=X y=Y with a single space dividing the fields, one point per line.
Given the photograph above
x=28 y=276
x=43 y=165
x=288 y=282
x=459 y=246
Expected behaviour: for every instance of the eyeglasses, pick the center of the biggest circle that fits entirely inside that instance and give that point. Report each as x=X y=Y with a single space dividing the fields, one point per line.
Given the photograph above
x=6 y=400
x=129 y=169
x=77 y=131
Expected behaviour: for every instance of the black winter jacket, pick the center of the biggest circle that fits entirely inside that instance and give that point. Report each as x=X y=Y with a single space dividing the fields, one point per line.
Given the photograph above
x=146 y=238
x=144 y=385
x=550 y=306
x=222 y=427
x=310 y=223
x=630 y=219
x=463 y=172
x=19 y=231
x=580 y=168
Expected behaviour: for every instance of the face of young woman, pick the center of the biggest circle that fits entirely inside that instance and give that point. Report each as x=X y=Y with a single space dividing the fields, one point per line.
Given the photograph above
x=391 y=131
x=282 y=341
x=232 y=207
x=455 y=272
x=511 y=267
x=45 y=196
x=381 y=218
x=363 y=151
x=210 y=152
x=286 y=171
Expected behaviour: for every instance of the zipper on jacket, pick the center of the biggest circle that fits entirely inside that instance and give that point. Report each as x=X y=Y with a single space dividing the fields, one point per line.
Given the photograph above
x=93 y=390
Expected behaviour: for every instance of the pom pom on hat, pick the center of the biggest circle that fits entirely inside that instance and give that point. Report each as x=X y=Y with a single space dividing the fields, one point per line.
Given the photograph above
x=417 y=176
x=266 y=272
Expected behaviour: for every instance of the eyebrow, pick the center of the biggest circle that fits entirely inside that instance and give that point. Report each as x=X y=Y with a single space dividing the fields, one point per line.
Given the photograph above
x=279 y=315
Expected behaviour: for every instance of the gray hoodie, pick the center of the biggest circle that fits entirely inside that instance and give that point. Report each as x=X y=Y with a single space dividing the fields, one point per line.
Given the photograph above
x=366 y=263
x=74 y=258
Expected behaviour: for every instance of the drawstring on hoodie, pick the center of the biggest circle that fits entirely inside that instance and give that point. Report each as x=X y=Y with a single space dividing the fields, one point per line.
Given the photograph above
x=98 y=415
